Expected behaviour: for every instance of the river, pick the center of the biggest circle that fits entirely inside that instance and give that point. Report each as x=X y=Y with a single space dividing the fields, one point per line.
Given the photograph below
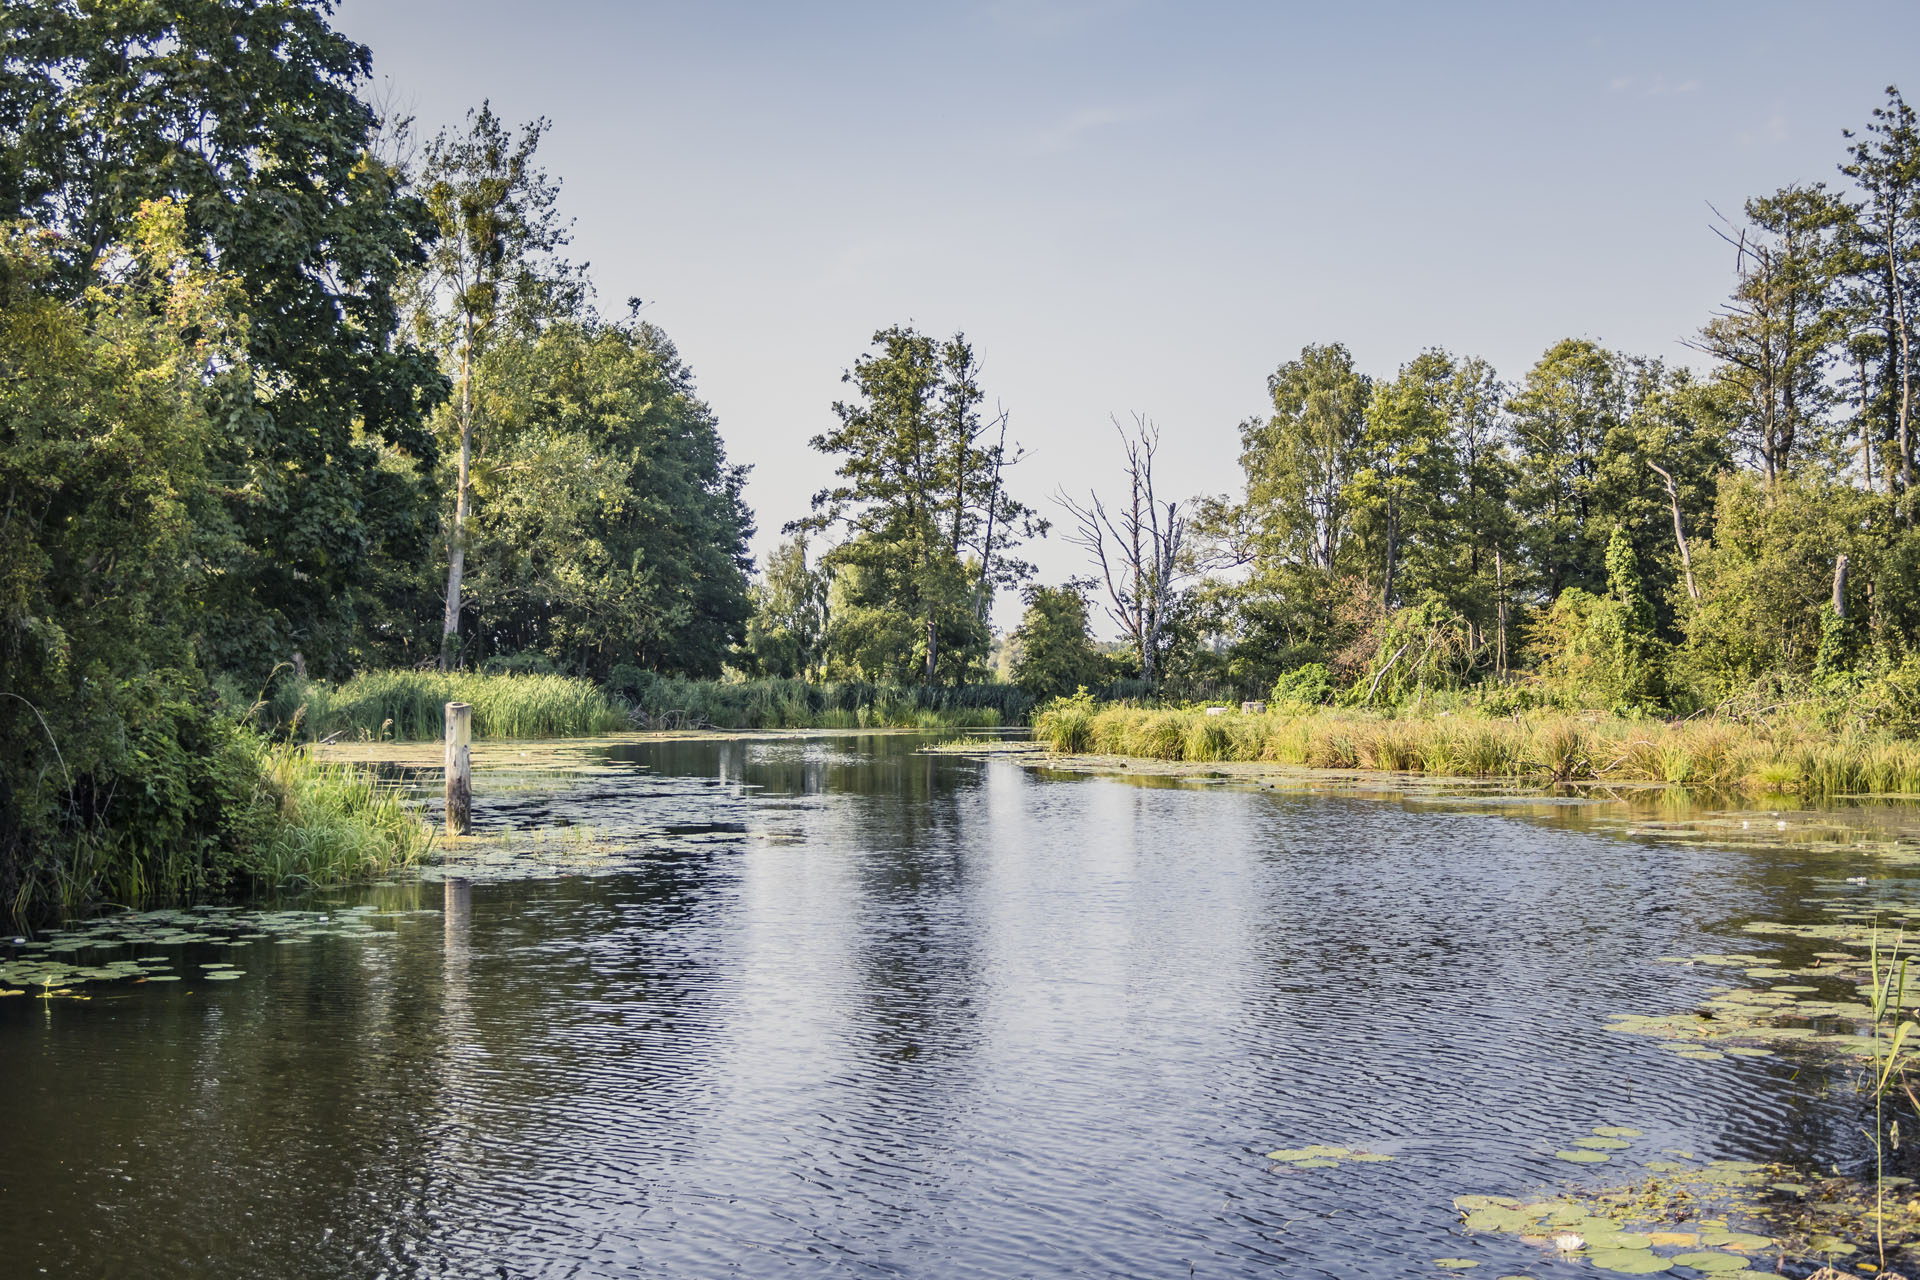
x=838 y=1007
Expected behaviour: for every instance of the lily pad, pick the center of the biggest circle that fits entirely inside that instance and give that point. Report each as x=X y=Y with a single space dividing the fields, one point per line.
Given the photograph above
x=1616 y=1131
x=223 y=975
x=1583 y=1157
x=1455 y=1264
x=1704 y=1261
x=1602 y=1144
x=1633 y=1262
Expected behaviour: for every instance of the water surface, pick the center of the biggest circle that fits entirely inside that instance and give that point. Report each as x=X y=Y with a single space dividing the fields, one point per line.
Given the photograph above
x=836 y=1008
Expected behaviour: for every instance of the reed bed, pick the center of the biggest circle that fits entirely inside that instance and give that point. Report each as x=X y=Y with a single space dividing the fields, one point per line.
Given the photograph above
x=1783 y=757
x=335 y=823
x=673 y=702
x=410 y=706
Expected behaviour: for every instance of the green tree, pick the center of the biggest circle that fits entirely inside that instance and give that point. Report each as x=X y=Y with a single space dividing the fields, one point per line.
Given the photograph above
x=1773 y=338
x=930 y=526
x=1562 y=415
x=786 y=632
x=118 y=776
x=1055 y=653
x=1879 y=245
x=246 y=115
x=610 y=528
x=1300 y=461
x=493 y=274
x=1402 y=492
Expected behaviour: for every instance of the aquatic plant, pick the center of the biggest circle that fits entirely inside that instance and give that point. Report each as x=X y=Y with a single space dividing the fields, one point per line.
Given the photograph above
x=1784 y=756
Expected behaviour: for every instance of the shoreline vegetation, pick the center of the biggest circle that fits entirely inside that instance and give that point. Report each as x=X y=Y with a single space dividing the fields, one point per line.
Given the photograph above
x=408 y=705
x=1781 y=755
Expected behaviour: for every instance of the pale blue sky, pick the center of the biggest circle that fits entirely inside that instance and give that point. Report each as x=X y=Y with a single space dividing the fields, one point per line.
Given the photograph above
x=1142 y=206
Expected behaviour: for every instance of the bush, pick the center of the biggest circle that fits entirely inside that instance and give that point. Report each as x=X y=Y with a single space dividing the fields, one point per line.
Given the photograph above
x=1307 y=686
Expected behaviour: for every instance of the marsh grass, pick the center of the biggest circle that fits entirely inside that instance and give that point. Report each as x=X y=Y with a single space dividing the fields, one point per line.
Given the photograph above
x=1779 y=757
x=410 y=706
x=334 y=824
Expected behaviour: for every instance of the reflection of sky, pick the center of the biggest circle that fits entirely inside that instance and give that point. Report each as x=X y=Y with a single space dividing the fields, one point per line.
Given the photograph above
x=1139 y=205
x=963 y=1022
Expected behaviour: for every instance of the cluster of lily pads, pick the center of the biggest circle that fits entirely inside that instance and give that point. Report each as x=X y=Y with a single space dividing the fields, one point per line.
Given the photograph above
x=63 y=959
x=1321 y=1156
x=1679 y=1218
x=1750 y=1021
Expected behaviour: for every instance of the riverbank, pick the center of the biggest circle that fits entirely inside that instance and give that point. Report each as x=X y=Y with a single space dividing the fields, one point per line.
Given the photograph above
x=1756 y=758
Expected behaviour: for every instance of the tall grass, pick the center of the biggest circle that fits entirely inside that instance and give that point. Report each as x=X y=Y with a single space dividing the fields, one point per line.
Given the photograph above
x=673 y=702
x=410 y=705
x=1717 y=755
x=335 y=823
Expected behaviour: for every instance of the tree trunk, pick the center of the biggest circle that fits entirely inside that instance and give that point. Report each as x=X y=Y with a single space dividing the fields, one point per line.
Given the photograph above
x=1840 y=586
x=457 y=544
x=1679 y=533
x=1500 y=611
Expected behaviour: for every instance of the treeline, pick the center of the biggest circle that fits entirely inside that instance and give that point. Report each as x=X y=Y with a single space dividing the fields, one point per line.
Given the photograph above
x=1622 y=533
x=285 y=391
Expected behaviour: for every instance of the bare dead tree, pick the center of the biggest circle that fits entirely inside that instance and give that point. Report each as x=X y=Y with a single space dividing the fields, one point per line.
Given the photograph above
x=1679 y=532
x=1136 y=547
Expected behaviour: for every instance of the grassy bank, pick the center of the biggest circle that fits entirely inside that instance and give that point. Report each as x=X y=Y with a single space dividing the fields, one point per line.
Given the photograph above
x=408 y=705
x=334 y=824
x=1780 y=757
x=272 y=817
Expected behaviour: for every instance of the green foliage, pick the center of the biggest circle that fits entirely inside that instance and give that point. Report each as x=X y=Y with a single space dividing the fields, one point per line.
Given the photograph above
x=609 y=526
x=673 y=702
x=1066 y=723
x=1055 y=652
x=1308 y=685
x=787 y=633
x=245 y=116
x=930 y=526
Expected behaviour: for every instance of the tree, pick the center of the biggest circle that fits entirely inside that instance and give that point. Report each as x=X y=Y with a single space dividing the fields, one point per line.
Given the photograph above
x=119 y=776
x=610 y=527
x=493 y=273
x=1879 y=245
x=1773 y=337
x=1300 y=462
x=930 y=525
x=246 y=115
x=785 y=636
x=1055 y=653
x=1562 y=415
x=1137 y=549
x=1405 y=483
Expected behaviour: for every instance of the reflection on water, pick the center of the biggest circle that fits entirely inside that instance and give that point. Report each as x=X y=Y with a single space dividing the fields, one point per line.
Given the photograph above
x=917 y=1015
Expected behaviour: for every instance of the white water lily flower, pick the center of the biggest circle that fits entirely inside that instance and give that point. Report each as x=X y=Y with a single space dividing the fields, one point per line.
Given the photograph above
x=1568 y=1242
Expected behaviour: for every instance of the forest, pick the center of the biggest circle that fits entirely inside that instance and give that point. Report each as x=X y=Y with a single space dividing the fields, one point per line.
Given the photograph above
x=305 y=415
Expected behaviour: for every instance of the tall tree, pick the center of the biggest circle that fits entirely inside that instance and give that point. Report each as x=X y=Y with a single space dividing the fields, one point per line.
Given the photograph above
x=1562 y=414
x=246 y=114
x=1880 y=249
x=610 y=527
x=1299 y=462
x=930 y=525
x=1773 y=337
x=494 y=273
x=1407 y=477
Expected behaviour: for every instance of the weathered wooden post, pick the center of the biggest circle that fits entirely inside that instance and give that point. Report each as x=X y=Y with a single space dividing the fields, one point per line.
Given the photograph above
x=459 y=768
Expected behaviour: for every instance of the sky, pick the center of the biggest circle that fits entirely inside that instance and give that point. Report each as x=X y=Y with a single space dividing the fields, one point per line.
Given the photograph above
x=1142 y=208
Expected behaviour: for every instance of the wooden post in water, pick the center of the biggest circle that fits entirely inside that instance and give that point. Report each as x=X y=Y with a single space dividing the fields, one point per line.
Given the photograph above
x=459 y=768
